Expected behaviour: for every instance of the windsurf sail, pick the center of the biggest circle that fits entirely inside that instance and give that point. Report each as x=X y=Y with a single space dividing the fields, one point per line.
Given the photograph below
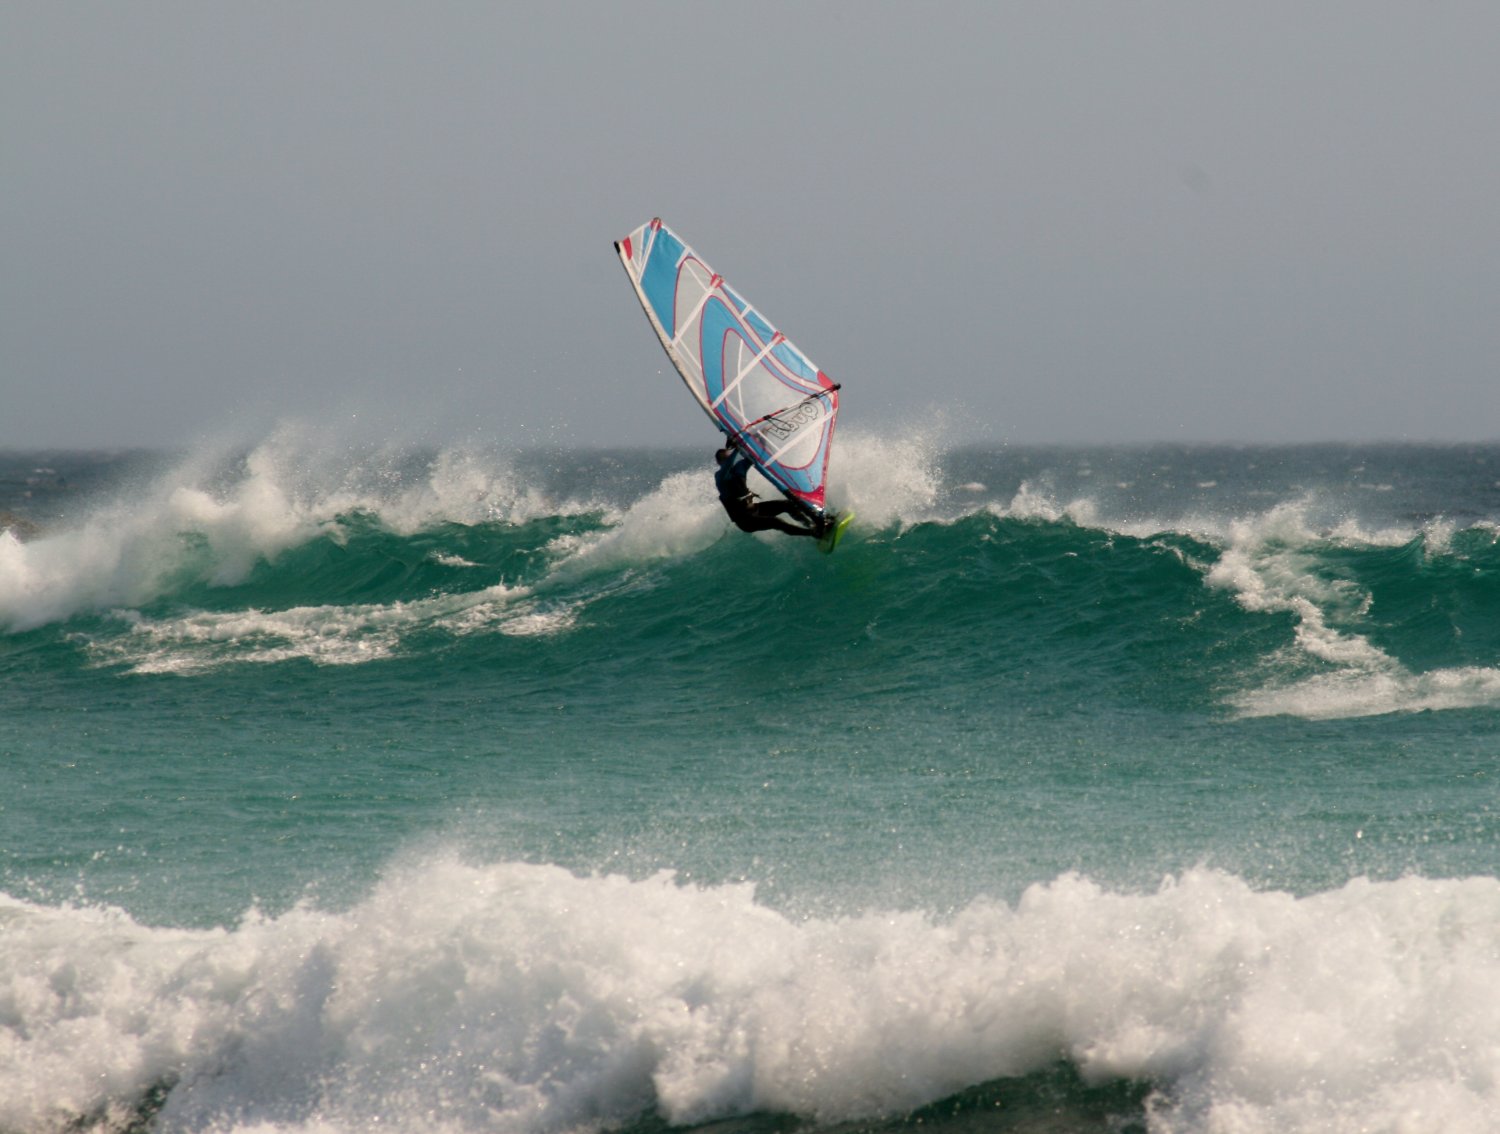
x=757 y=387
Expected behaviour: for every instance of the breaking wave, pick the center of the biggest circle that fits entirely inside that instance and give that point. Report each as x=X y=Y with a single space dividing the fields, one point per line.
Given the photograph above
x=459 y=996
x=281 y=555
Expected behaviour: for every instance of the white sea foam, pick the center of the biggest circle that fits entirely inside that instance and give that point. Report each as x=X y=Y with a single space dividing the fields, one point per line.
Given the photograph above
x=1036 y=502
x=678 y=517
x=466 y=486
x=324 y=635
x=127 y=554
x=1365 y=691
x=886 y=480
x=521 y=998
x=1271 y=564
x=195 y=524
x=446 y=560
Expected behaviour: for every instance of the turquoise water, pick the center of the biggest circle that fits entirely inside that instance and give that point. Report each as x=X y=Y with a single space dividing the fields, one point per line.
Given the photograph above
x=1082 y=789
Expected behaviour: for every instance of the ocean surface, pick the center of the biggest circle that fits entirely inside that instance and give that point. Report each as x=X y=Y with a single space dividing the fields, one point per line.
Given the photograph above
x=357 y=788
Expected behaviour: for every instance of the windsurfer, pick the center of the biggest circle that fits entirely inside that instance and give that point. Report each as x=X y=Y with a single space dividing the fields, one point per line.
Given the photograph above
x=749 y=513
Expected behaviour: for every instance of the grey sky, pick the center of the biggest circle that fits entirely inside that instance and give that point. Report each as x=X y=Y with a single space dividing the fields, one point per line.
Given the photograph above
x=1049 y=221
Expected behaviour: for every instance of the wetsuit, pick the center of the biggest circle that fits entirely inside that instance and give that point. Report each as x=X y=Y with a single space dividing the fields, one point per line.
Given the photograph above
x=748 y=513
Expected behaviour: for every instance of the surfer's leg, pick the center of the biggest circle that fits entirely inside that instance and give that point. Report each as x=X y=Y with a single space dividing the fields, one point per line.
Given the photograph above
x=792 y=529
x=770 y=512
x=815 y=524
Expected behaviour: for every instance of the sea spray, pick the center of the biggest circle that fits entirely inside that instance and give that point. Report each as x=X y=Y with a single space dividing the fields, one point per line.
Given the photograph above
x=216 y=516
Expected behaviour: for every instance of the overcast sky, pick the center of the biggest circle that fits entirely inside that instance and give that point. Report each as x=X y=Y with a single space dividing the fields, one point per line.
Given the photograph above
x=1042 y=222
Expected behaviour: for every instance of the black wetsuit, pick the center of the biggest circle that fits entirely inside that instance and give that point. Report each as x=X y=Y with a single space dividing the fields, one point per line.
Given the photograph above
x=748 y=513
